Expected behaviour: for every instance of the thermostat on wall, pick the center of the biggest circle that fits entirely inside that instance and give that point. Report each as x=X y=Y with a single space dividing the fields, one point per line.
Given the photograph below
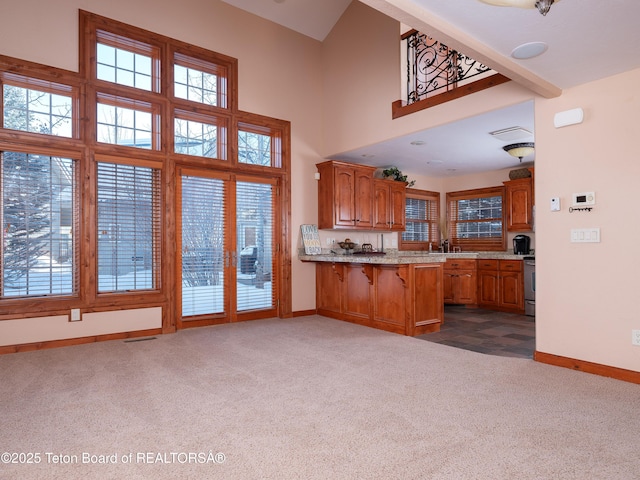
x=584 y=199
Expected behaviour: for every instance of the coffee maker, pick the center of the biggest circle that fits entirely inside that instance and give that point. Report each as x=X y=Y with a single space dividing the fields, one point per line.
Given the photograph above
x=521 y=244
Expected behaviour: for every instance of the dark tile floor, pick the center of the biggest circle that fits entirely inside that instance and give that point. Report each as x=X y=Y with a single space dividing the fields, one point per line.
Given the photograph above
x=486 y=331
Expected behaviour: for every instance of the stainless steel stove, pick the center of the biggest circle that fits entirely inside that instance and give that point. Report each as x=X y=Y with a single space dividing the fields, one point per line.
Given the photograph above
x=529 y=286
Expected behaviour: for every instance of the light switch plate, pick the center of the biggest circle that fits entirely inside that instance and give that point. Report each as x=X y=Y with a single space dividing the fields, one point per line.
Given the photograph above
x=585 y=235
x=555 y=204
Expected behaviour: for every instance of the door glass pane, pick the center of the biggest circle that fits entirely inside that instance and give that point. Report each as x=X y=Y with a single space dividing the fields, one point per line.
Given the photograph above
x=254 y=224
x=203 y=226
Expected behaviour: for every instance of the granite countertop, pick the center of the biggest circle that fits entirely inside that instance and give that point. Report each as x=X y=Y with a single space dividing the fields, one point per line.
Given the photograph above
x=395 y=257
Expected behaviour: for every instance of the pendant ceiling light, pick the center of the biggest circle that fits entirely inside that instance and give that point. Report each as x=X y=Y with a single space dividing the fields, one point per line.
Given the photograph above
x=543 y=6
x=519 y=150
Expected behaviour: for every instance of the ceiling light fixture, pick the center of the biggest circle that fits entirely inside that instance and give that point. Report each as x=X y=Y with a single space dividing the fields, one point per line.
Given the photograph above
x=543 y=6
x=519 y=150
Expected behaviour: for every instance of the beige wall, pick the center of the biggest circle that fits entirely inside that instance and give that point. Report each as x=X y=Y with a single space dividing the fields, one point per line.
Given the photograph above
x=587 y=294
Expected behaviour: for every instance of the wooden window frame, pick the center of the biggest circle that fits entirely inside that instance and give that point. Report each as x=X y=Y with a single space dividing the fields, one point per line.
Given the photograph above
x=476 y=244
x=132 y=104
x=84 y=149
x=129 y=44
x=276 y=143
x=220 y=122
x=218 y=67
x=156 y=222
x=46 y=86
x=434 y=230
x=76 y=230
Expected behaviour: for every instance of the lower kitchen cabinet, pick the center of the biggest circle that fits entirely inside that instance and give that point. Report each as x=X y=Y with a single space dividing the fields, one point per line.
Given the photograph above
x=405 y=299
x=501 y=285
x=460 y=282
x=488 y=284
x=356 y=281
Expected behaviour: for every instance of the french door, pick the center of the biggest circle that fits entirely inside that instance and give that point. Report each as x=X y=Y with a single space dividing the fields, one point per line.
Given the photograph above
x=228 y=252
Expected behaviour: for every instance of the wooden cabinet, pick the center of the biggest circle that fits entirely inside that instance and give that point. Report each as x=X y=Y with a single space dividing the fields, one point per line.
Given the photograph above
x=356 y=292
x=389 y=205
x=519 y=204
x=405 y=299
x=501 y=285
x=350 y=197
x=329 y=283
x=488 y=285
x=511 y=285
x=345 y=194
x=460 y=282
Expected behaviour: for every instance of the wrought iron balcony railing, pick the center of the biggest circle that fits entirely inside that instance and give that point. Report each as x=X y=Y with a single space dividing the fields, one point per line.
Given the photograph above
x=433 y=68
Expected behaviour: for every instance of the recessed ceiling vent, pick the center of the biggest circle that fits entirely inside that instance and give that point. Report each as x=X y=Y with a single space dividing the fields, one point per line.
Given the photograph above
x=511 y=134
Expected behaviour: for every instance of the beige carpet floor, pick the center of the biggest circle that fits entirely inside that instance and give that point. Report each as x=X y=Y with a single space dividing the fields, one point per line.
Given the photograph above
x=308 y=398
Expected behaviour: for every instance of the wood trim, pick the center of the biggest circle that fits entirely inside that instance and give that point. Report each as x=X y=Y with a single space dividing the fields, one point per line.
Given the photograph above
x=30 y=347
x=302 y=313
x=588 y=367
x=398 y=110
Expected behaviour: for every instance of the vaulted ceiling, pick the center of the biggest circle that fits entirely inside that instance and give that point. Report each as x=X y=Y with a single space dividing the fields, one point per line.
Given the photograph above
x=586 y=40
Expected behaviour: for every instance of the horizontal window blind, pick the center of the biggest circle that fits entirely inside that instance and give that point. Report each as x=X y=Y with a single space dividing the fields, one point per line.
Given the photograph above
x=203 y=245
x=128 y=227
x=254 y=225
x=475 y=219
x=422 y=214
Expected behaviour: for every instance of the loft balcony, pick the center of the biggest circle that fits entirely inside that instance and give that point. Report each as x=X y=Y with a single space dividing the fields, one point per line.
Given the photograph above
x=435 y=74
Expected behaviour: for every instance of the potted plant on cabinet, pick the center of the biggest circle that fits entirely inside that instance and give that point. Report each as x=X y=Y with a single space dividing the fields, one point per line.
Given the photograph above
x=395 y=174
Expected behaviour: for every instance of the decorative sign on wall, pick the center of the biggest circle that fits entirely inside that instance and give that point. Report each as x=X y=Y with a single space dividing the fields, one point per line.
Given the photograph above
x=311 y=239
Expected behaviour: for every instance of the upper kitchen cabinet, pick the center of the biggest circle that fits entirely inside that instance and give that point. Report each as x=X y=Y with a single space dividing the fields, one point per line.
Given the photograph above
x=519 y=204
x=345 y=195
x=389 y=205
x=350 y=197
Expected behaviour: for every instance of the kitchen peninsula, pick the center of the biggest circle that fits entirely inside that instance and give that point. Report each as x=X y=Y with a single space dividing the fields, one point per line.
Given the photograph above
x=401 y=294
x=397 y=292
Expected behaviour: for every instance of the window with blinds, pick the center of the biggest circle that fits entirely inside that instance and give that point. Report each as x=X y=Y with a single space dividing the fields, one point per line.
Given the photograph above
x=255 y=245
x=422 y=216
x=475 y=219
x=128 y=227
x=39 y=215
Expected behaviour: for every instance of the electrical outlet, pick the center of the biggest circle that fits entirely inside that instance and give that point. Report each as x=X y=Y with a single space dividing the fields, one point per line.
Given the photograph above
x=75 y=315
x=635 y=337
